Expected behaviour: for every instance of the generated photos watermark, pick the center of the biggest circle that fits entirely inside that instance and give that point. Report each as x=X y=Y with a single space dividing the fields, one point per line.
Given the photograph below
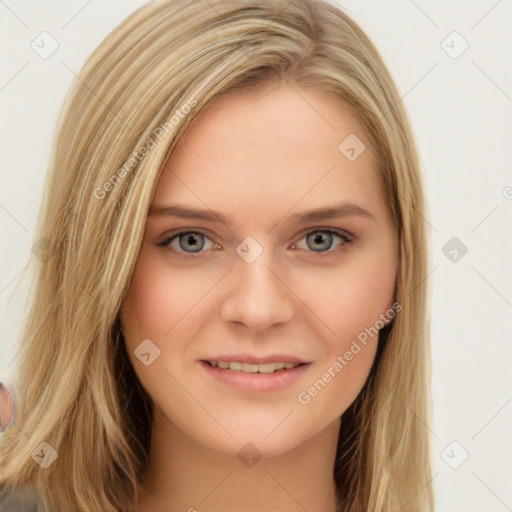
x=151 y=142
x=305 y=397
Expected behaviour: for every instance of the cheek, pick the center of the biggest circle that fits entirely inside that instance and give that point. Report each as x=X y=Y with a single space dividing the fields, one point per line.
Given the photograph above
x=353 y=297
x=159 y=298
x=147 y=305
x=369 y=293
x=350 y=302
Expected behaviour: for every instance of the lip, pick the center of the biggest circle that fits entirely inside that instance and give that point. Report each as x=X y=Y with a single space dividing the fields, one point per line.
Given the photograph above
x=247 y=358
x=257 y=382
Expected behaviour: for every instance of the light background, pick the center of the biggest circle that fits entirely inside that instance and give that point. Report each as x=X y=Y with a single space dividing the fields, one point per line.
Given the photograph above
x=461 y=113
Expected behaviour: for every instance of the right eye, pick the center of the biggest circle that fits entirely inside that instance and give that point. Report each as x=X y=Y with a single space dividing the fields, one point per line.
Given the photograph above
x=188 y=243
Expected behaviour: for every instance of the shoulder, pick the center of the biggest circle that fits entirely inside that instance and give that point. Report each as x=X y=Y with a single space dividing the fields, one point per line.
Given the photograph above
x=19 y=501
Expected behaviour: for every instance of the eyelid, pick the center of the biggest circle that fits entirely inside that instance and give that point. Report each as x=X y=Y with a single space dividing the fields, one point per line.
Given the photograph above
x=346 y=237
x=171 y=235
x=343 y=233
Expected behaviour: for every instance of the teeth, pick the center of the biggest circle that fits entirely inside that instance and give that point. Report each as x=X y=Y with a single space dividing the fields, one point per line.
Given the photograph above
x=253 y=367
x=267 y=367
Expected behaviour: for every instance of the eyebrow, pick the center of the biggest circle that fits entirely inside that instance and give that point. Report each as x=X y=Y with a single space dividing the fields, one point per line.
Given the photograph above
x=338 y=210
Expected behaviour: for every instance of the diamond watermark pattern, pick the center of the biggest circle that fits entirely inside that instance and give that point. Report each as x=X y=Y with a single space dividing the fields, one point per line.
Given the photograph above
x=352 y=147
x=249 y=249
x=147 y=352
x=45 y=45
x=454 y=455
x=454 y=45
x=249 y=455
x=45 y=455
x=44 y=249
x=454 y=249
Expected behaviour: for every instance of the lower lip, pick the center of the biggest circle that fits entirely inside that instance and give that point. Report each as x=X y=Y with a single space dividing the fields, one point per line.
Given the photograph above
x=259 y=382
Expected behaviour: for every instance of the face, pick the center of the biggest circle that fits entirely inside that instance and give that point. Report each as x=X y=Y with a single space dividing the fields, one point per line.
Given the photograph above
x=261 y=282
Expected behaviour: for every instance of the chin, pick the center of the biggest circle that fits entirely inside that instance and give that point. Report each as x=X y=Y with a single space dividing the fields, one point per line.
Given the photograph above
x=260 y=447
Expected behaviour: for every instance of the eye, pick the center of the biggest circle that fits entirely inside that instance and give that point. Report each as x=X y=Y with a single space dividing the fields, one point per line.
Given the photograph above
x=188 y=243
x=321 y=240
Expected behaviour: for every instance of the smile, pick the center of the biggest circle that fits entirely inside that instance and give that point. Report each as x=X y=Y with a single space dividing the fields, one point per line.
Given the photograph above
x=238 y=366
x=255 y=376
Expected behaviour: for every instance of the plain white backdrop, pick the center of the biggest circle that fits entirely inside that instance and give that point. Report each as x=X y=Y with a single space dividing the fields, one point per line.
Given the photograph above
x=452 y=62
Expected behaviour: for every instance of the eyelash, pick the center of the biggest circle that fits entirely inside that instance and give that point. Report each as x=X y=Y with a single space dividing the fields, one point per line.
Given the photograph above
x=344 y=236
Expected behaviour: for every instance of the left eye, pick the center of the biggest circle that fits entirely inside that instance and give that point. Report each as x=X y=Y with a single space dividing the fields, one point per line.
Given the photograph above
x=192 y=243
x=323 y=239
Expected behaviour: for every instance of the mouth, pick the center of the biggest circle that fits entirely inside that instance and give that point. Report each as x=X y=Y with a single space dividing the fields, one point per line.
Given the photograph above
x=251 y=367
x=250 y=374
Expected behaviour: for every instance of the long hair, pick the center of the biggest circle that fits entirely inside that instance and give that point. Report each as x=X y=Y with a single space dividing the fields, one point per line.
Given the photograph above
x=119 y=123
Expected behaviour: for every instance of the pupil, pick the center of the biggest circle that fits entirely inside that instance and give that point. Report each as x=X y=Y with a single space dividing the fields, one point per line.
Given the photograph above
x=193 y=241
x=324 y=239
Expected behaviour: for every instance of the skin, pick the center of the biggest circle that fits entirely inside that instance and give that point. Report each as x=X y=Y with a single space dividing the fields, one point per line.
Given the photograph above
x=6 y=408
x=246 y=158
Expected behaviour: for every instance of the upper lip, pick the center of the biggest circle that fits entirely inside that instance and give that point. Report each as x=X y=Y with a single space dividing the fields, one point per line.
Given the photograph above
x=247 y=358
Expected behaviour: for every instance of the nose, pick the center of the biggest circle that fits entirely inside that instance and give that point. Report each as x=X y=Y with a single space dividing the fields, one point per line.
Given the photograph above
x=258 y=297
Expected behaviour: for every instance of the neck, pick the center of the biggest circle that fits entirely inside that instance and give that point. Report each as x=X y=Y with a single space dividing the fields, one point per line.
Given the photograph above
x=186 y=476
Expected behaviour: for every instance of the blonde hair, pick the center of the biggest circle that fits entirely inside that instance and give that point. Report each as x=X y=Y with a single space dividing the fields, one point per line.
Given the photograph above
x=141 y=88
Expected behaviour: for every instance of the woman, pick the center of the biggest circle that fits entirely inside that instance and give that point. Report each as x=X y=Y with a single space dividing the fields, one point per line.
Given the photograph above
x=231 y=313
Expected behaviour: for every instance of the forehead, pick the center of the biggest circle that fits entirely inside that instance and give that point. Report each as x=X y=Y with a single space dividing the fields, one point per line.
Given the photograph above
x=267 y=152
